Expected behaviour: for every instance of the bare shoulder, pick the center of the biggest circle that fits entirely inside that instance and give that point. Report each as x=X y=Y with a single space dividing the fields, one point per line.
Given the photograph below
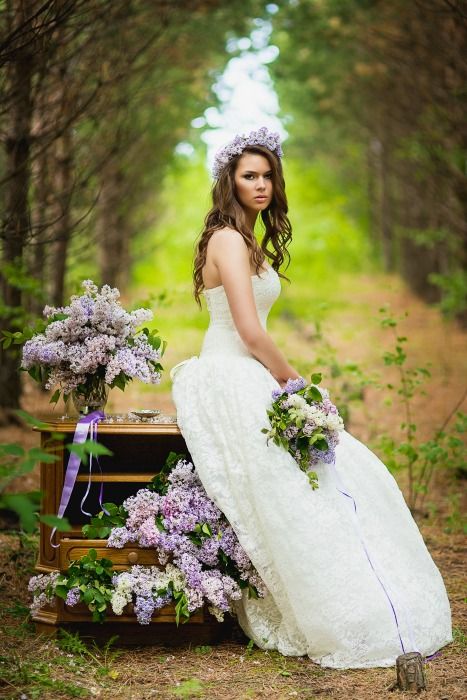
x=228 y=240
x=226 y=233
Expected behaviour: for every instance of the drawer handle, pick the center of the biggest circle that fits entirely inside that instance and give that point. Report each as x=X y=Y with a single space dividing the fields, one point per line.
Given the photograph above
x=133 y=557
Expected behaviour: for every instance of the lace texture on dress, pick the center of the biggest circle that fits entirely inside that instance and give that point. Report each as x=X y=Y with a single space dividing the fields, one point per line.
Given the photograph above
x=324 y=599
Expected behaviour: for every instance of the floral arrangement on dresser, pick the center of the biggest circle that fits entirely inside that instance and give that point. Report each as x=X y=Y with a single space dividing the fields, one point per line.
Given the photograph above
x=202 y=561
x=305 y=422
x=90 y=346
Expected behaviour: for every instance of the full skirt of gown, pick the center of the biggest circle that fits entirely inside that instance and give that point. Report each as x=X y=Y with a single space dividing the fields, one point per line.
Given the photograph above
x=350 y=590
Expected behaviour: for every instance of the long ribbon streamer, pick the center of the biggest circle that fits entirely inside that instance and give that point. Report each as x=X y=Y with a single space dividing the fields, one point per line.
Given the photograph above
x=341 y=488
x=84 y=425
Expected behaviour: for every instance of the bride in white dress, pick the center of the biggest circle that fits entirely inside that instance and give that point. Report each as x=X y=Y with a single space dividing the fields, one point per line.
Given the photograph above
x=349 y=588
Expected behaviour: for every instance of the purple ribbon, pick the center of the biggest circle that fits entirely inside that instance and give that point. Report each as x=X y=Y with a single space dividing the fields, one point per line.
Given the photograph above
x=344 y=492
x=84 y=425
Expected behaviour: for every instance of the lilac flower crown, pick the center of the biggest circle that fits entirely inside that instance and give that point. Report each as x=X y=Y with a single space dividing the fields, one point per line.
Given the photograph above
x=262 y=137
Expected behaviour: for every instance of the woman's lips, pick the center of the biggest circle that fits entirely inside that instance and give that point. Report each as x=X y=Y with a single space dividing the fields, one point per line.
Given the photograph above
x=261 y=198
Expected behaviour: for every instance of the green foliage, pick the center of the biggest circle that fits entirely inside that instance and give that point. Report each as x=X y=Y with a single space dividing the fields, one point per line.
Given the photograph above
x=347 y=96
x=446 y=449
x=160 y=482
x=93 y=577
x=189 y=688
x=87 y=448
x=15 y=462
x=203 y=649
x=454 y=292
x=181 y=604
x=102 y=656
x=101 y=524
x=37 y=677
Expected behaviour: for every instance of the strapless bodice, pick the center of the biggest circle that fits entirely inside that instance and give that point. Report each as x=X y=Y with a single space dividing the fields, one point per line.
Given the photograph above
x=222 y=336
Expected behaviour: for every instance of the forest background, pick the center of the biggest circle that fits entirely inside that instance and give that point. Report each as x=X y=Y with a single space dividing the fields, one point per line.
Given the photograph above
x=105 y=114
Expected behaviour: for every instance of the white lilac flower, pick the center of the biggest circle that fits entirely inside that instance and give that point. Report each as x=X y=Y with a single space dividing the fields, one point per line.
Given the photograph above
x=296 y=401
x=217 y=612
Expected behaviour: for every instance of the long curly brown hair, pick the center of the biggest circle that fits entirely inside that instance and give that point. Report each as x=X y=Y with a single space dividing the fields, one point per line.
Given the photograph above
x=227 y=211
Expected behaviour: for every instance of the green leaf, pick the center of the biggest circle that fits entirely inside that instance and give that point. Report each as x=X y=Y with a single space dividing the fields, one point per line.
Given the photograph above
x=206 y=529
x=23 y=505
x=88 y=596
x=12 y=448
x=62 y=524
x=61 y=591
x=55 y=396
x=40 y=455
x=30 y=420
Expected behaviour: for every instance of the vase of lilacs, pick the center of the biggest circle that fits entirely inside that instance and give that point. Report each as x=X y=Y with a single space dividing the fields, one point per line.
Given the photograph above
x=91 y=346
x=305 y=422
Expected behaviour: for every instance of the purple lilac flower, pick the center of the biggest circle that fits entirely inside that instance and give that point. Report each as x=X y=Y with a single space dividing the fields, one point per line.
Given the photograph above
x=42 y=587
x=294 y=385
x=327 y=456
x=144 y=607
x=73 y=596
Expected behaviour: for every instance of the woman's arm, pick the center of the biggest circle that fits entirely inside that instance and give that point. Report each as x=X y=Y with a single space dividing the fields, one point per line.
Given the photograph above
x=230 y=255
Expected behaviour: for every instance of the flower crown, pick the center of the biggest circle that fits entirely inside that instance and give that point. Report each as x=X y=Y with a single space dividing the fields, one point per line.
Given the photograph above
x=262 y=137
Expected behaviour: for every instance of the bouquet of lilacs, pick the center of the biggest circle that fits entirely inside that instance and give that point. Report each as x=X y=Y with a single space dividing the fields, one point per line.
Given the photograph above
x=306 y=423
x=93 y=342
x=179 y=520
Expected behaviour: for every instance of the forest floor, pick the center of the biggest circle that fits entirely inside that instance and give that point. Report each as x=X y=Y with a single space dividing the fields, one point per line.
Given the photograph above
x=34 y=666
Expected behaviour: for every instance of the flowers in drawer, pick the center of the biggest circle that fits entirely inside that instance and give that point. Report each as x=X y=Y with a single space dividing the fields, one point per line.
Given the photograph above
x=88 y=580
x=176 y=517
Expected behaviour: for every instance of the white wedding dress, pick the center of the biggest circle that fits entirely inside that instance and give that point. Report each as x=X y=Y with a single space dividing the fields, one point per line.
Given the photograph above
x=327 y=599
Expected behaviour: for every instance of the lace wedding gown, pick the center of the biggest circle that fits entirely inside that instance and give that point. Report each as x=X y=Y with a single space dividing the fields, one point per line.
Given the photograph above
x=349 y=589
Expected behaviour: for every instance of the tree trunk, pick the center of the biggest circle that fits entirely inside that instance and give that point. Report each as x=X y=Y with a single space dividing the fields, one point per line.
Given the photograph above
x=15 y=226
x=62 y=229
x=112 y=230
x=410 y=674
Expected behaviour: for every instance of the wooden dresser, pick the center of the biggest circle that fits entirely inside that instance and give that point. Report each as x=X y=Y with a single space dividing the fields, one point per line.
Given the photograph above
x=139 y=450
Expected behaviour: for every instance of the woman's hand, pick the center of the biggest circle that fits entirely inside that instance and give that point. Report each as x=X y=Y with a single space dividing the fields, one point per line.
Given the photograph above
x=282 y=382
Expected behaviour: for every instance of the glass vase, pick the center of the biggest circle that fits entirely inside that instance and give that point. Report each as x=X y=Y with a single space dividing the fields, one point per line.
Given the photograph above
x=92 y=398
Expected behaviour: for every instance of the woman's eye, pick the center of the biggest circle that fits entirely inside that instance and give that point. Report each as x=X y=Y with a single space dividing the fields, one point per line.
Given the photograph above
x=249 y=177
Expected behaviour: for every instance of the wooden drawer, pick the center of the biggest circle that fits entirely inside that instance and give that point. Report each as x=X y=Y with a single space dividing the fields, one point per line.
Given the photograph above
x=72 y=549
x=80 y=613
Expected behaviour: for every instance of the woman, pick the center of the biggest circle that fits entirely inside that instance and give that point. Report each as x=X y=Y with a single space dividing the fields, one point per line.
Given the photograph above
x=349 y=590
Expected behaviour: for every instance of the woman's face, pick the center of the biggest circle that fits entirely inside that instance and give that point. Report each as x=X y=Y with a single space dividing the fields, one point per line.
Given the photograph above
x=253 y=182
